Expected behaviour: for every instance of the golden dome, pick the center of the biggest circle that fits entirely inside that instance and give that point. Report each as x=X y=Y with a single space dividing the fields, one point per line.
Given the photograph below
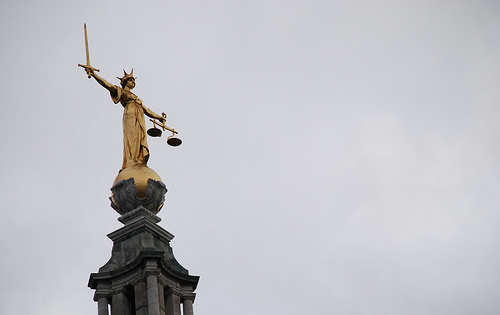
x=140 y=174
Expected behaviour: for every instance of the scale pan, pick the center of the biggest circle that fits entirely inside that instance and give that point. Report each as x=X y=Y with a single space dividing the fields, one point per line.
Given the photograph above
x=174 y=141
x=154 y=132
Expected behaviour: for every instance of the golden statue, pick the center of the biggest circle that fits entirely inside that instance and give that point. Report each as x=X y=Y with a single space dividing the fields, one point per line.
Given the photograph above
x=135 y=145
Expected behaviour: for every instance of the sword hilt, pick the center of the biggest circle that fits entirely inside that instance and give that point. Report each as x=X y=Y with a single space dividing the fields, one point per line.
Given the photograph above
x=88 y=67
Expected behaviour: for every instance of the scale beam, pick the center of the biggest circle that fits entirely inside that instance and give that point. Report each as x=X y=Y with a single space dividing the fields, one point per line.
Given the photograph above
x=155 y=132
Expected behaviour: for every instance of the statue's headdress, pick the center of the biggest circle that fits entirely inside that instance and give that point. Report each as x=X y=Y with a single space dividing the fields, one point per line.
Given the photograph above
x=126 y=76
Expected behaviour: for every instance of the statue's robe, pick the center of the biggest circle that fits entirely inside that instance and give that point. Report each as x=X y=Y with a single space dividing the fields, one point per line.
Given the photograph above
x=135 y=145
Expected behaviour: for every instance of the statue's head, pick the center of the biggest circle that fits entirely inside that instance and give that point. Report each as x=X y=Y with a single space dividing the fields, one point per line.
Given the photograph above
x=127 y=78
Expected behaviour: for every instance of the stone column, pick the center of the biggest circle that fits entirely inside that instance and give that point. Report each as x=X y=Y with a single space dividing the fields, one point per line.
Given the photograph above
x=187 y=307
x=103 y=297
x=151 y=272
x=102 y=306
x=153 y=296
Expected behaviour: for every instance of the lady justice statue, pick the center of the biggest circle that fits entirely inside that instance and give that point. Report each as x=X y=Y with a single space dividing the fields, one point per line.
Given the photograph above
x=135 y=146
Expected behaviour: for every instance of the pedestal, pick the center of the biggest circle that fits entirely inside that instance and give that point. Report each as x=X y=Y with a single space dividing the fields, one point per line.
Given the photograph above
x=142 y=277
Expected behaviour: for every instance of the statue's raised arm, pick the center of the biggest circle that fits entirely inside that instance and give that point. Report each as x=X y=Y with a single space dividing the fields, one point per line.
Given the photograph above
x=110 y=87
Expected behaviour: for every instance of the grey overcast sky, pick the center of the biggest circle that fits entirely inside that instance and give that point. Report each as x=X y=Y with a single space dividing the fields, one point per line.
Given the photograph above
x=338 y=157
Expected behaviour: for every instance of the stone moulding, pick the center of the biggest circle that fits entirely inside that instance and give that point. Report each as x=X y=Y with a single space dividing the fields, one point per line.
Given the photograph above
x=137 y=214
x=124 y=196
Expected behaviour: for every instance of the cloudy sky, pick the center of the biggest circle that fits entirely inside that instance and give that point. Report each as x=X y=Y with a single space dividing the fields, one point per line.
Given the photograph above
x=338 y=157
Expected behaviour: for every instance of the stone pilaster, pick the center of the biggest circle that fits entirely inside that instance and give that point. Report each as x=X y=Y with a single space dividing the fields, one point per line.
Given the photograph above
x=172 y=302
x=141 y=298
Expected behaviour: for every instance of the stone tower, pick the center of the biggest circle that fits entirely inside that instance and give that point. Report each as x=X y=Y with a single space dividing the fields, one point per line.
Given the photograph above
x=142 y=277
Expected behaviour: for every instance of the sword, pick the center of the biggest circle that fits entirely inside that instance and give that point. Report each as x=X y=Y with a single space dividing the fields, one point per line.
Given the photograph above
x=87 y=66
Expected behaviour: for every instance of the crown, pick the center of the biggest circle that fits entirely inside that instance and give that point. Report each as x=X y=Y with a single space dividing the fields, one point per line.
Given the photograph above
x=126 y=76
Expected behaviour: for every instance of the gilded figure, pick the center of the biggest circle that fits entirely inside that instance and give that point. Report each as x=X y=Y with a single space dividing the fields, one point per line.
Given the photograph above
x=135 y=145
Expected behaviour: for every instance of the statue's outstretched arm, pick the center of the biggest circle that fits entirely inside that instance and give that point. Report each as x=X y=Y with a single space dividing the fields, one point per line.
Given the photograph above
x=152 y=114
x=110 y=87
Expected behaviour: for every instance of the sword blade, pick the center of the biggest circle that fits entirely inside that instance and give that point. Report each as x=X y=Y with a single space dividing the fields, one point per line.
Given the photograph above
x=88 y=67
x=86 y=44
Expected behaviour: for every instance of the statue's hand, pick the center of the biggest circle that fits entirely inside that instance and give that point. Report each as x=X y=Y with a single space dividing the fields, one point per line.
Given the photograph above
x=89 y=71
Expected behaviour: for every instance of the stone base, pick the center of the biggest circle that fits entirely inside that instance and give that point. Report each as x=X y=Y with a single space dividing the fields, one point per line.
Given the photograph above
x=125 y=197
x=137 y=214
x=142 y=276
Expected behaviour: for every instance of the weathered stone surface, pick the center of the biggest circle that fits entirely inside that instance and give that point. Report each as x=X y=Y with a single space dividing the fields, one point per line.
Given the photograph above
x=124 y=198
x=142 y=276
x=141 y=237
